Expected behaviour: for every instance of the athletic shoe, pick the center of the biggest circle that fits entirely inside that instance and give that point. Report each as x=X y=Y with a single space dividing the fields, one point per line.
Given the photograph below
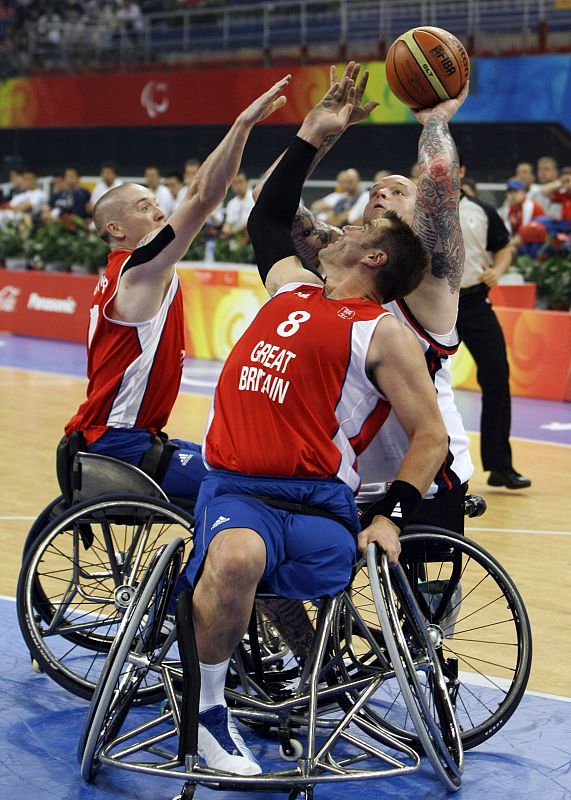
x=221 y=746
x=508 y=478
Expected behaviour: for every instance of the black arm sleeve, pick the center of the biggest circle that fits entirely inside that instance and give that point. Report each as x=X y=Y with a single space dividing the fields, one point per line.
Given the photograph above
x=271 y=219
x=148 y=251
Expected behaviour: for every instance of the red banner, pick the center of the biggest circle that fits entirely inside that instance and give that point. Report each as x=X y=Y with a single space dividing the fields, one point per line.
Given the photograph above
x=46 y=304
x=198 y=97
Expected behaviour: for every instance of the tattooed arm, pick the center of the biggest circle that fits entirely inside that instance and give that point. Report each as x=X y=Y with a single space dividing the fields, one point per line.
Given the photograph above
x=310 y=235
x=436 y=218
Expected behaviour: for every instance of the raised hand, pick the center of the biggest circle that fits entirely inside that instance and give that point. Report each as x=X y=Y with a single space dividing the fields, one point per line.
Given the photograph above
x=265 y=105
x=444 y=110
x=360 y=111
x=331 y=115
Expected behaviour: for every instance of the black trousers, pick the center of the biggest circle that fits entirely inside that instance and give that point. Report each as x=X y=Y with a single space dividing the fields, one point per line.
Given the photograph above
x=484 y=338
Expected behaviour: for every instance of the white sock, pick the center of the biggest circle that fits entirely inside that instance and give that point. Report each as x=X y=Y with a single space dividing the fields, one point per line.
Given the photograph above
x=212 y=680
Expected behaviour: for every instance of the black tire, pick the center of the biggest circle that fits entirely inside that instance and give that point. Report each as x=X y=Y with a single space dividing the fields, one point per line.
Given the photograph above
x=139 y=635
x=489 y=603
x=411 y=650
x=54 y=509
x=96 y=552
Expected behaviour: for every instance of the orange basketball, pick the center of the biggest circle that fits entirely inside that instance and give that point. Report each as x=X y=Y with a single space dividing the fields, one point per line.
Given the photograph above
x=425 y=66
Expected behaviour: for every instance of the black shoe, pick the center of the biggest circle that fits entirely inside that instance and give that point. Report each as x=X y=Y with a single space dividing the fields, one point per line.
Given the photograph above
x=508 y=478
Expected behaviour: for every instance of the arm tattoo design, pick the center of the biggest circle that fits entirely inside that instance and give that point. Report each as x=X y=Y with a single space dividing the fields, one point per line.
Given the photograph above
x=436 y=218
x=310 y=235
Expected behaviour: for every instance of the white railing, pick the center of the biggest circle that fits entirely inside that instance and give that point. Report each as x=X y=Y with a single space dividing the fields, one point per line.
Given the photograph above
x=358 y=26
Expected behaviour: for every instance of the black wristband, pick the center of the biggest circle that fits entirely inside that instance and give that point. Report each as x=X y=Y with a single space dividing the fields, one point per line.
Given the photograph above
x=398 y=505
x=271 y=219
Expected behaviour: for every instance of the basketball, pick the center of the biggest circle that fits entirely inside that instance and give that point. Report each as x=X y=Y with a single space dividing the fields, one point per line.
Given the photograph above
x=426 y=66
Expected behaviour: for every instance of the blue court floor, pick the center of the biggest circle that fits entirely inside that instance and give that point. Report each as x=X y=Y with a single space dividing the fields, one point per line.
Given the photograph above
x=40 y=725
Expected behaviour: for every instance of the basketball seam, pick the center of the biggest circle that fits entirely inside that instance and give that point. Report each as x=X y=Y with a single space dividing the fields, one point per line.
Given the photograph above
x=412 y=100
x=420 y=58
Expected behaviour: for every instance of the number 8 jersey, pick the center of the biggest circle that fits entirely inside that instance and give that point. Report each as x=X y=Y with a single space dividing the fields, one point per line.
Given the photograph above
x=293 y=398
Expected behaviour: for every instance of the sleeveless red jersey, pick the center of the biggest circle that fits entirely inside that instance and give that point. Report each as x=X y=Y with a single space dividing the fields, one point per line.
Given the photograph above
x=134 y=369
x=293 y=398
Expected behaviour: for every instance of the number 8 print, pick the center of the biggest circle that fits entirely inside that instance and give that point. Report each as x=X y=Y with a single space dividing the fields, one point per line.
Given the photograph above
x=291 y=325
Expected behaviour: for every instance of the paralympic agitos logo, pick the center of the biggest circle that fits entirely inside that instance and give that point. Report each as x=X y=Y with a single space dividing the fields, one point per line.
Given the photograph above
x=154 y=98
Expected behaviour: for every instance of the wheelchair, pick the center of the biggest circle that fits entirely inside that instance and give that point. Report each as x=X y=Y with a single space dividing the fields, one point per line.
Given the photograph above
x=326 y=740
x=82 y=567
x=83 y=559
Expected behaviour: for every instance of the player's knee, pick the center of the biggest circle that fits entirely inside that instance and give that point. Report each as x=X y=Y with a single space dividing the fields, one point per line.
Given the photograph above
x=237 y=558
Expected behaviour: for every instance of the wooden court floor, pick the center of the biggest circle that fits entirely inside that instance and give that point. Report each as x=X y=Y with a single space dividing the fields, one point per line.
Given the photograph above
x=528 y=532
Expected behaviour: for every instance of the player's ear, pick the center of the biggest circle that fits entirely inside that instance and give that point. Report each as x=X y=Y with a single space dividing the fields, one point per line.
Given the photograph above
x=375 y=259
x=115 y=229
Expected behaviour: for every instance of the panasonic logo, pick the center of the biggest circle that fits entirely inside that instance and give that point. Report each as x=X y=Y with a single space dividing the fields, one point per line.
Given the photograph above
x=57 y=305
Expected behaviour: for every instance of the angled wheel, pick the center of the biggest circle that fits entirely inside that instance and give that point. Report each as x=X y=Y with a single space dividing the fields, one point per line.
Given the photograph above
x=57 y=506
x=140 y=642
x=79 y=576
x=417 y=669
x=478 y=624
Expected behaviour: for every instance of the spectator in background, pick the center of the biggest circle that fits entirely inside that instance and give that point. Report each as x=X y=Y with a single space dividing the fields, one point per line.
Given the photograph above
x=107 y=180
x=547 y=177
x=562 y=195
x=71 y=199
x=239 y=207
x=524 y=172
x=346 y=205
x=557 y=193
x=469 y=187
x=27 y=203
x=131 y=22
x=176 y=187
x=16 y=185
x=163 y=196
x=484 y=233
x=191 y=167
x=519 y=209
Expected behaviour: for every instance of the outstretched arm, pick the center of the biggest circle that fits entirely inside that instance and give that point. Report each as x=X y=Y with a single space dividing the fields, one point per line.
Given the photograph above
x=142 y=288
x=436 y=218
x=310 y=234
x=271 y=219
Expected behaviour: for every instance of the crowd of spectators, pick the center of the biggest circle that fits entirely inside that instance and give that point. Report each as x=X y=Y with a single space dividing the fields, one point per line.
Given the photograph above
x=27 y=207
x=536 y=208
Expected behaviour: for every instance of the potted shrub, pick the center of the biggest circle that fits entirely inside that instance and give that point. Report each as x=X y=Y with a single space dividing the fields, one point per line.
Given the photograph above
x=50 y=246
x=550 y=270
x=89 y=251
x=11 y=246
x=235 y=248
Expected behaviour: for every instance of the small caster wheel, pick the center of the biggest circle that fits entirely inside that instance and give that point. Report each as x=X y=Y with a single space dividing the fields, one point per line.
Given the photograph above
x=36 y=666
x=291 y=752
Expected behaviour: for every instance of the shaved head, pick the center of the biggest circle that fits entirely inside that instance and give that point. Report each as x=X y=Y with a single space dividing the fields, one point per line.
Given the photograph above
x=111 y=206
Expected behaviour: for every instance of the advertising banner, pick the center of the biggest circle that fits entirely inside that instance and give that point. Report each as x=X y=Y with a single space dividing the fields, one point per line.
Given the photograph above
x=46 y=304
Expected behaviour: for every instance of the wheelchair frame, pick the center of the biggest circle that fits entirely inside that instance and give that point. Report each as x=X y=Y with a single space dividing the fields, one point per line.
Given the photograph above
x=168 y=745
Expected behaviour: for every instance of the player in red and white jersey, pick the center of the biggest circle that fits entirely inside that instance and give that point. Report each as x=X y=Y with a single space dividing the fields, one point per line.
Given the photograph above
x=136 y=332
x=430 y=311
x=297 y=375
x=301 y=393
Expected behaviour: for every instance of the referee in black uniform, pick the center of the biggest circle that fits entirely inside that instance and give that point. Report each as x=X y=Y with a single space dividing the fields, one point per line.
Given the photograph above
x=485 y=234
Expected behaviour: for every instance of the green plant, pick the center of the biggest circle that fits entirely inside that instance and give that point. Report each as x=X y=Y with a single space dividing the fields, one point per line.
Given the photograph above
x=197 y=247
x=89 y=250
x=51 y=243
x=10 y=241
x=236 y=248
x=552 y=275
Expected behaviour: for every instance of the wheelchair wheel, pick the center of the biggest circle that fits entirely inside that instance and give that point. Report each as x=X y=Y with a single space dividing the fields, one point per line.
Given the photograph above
x=140 y=642
x=57 y=506
x=79 y=577
x=412 y=654
x=478 y=624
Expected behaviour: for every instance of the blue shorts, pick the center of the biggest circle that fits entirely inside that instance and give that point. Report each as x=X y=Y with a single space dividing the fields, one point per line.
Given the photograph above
x=185 y=470
x=307 y=556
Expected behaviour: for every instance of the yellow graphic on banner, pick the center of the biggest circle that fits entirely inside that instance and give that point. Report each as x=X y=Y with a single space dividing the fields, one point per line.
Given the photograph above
x=390 y=110
x=18 y=103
